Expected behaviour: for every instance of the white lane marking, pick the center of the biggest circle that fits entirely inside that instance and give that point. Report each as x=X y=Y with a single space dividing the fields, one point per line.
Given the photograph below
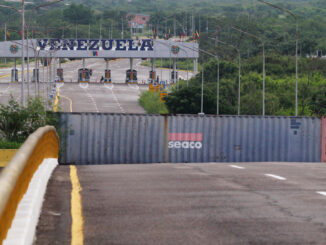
x=116 y=100
x=236 y=166
x=59 y=85
x=133 y=86
x=109 y=87
x=321 y=193
x=91 y=98
x=275 y=176
x=83 y=85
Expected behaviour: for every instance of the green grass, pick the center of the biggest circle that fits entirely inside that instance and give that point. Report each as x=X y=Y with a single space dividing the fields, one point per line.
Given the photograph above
x=5 y=144
x=151 y=103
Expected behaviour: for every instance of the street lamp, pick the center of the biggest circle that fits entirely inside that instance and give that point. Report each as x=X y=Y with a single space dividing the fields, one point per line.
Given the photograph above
x=296 y=48
x=264 y=61
x=202 y=87
x=218 y=79
x=22 y=11
x=239 y=65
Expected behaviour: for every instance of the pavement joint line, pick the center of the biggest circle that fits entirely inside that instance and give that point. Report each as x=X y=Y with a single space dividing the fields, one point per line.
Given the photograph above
x=323 y=193
x=275 y=176
x=77 y=224
x=236 y=166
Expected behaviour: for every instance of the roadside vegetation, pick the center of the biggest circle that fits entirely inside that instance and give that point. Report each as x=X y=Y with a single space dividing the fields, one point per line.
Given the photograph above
x=151 y=103
x=182 y=64
x=214 y=20
x=280 y=88
x=18 y=122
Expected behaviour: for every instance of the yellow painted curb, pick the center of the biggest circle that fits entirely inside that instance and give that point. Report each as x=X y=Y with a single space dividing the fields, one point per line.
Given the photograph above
x=15 y=177
x=6 y=155
x=56 y=101
x=77 y=224
x=70 y=101
x=8 y=75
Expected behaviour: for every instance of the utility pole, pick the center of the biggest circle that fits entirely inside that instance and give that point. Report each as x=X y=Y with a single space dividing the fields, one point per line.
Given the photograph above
x=264 y=61
x=23 y=58
x=121 y=27
x=202 y=93
x=199 y=24
x=192 y=24
x=174 y=27
x=100 y=29
x=186 y=29
x=111 y=30
x=207 y=25
x=5 y=39
x=296 y=48
x=76 y=30
x=89 y=31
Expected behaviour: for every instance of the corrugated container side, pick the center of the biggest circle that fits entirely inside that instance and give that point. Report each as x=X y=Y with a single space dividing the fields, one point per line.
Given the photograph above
x=122 y=138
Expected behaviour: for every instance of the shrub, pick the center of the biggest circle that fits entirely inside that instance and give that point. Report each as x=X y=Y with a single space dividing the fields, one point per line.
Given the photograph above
x=17 y=122
x=152 y=104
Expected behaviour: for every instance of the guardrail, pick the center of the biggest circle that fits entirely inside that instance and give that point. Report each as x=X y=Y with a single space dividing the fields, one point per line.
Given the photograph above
x=15 y=177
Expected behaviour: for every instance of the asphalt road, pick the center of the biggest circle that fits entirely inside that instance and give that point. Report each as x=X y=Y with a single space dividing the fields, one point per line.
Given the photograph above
x=210 y=203
x=117 y=97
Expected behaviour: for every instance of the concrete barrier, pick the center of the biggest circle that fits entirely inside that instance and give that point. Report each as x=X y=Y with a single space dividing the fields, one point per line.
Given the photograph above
x=15 y=177
x=6 y=155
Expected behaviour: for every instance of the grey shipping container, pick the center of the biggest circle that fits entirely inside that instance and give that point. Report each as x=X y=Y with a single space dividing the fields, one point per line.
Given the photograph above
x=100 y=138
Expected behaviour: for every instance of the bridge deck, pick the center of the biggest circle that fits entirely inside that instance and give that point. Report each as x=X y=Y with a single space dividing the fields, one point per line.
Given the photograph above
x=190 y=204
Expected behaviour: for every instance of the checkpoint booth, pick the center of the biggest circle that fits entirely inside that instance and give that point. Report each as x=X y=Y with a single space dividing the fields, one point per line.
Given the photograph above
x=84 y=75
x=14 y=75
x=60 y=75
x=152 y=76
x=107 y=77
x=131 y=76
x=174 y=76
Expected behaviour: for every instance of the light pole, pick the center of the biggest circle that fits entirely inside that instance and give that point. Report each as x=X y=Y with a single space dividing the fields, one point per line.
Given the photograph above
x=296 y=48
x=218 y=78
x=202 y=93
x=22 y=11
x=239 y=65
x=264 y=62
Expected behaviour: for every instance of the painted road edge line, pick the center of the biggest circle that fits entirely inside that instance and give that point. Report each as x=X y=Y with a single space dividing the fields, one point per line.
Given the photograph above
x=323 y=193
x=70 y=101
x=24 y=224
x=236 y=166
x=77 y=224
x=275 y=176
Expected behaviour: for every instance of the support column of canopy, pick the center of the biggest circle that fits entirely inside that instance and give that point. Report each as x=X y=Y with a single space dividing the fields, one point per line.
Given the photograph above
x=14 y=73
x=84 y=74
x=131 y=74
x=152 y=73
x=195 y=66
x=174 y=74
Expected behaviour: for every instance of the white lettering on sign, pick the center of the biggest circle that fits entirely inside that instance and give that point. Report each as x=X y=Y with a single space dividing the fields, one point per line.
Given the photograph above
x=95 y=44
x=185 y=145
x=185 y=140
